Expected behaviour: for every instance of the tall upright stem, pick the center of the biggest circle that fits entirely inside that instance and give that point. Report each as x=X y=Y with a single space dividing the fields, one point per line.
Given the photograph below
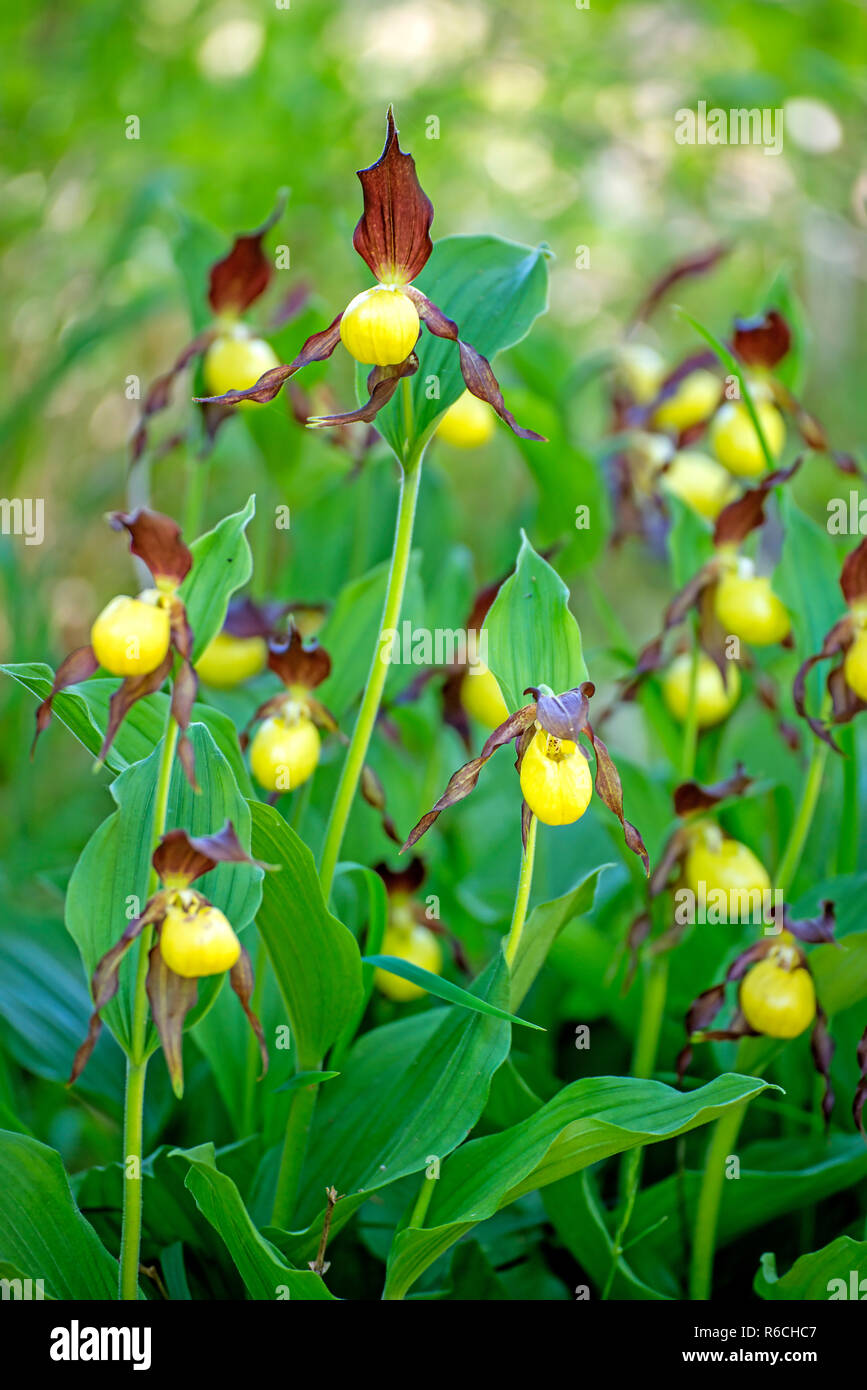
x=722 y=1142
x=364 y=724
x=136 y=1067
x=804 y=819
x=522 y=896
x=294 y=1151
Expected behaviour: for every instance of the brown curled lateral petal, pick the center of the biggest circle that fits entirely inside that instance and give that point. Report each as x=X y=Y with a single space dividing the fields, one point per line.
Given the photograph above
x=822 y=1047
x=180 y=859
x=159 y=393
x=690 y=796
x=382 y=383
x=638 y=933
x=462 y=782
x=860 y=1098
x=747 y=513
x=296 y=664
x=240 y=277
x=155 y=539
x=813 y=929
x=476 y=370
x=105 y=981
x=836 y=641
x=171 y=997
x=763 y=340
x=609 y=788
x=750 y=957
x=853 y=575
x=392 y=236
x=74 y=669
x=241 y=980
x=130 y=690
x=672 y=854
x=699 y=263
x=317 y=348
x=845 y=704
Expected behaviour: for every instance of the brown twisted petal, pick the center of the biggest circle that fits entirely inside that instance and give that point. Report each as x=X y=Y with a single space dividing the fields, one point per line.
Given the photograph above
x=182 y=858
x=836 y=641
x=393 y=233
x=296 y=664
x=130 y=690
x=813 y=929
x=822 y=1047
x=160 y=392
x=609 y=788
x=464 y=780
x=374 y=794
x=382 y=383
x=762 y=341
x=317 y=348
x=105 y=980
x=171 y=997
x=476 y=370
x=860 y=1098
x=690 y=796
x=72 y=670
x=635 y=939
x=853 y=575
x=699 y=263
x=747 y=513
x=241 y=980
x=156 y=539
x=245 y=273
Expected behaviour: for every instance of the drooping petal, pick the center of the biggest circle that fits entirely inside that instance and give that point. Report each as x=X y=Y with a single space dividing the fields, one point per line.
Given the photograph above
x=180 y=859
x=184 y=688
x=105 y=980
x=237 y=280
x=699 y=263
x=836 y=641
x=241 y=980
x=130 y=690
x=156 y=539
x=462 y=782
x=74 y=669
x=382 y=383
x=813 y=929
x=317 y=348
x=159 y=393
x=393 y=233
x=822 y=1046
x=853 y=575
x=171 y=998
x=747 y=513
x=609 y=788
x=690 y=796
x=374 y=794
x=476 y=370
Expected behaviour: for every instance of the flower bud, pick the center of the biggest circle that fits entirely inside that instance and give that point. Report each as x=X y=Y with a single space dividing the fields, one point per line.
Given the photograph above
x=640 y=369
x=734 y=440
x=380 y=326
x=713 y=700
x=411 y=941
x=777 y=996
x=196 y=939
x=482 y=698
x=131 y=635
x=747 y=606
x=228 y=660
x=285 y=752
x=692 y=401
x=467 y=424
x=555 y=779
x=700 y=482
x=235 y=361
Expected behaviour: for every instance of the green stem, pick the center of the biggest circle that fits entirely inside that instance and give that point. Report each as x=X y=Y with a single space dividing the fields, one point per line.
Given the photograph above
x=422 y=1202
x=197 y=477
x=364 y=724
x=690 y=728
x=133 y=1115
x=522 y=897
x=294 y=1151
x=722 y=1142
x=801 y=826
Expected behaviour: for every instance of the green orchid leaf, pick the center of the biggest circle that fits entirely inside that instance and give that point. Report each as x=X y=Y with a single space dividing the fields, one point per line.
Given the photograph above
x=443 y=989
x=222 y=564
x=43 y=1235
x=587 y=1121
x=315 y=957
x=837 y=1271
x=532 y=636
x=265 y=1273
